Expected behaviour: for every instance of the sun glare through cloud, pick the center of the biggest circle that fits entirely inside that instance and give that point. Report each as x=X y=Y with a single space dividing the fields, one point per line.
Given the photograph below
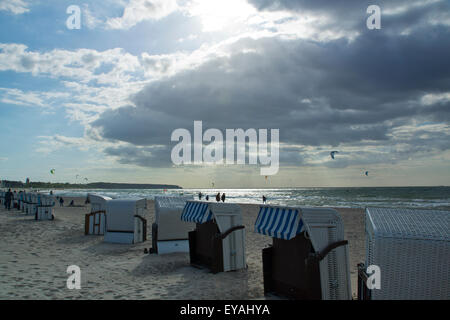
x=218 y=15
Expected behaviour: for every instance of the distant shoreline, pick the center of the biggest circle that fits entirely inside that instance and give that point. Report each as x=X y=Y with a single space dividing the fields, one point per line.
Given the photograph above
x=94 y=185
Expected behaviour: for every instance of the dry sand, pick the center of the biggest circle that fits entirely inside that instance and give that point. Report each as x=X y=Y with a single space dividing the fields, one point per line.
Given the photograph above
x=34 y=256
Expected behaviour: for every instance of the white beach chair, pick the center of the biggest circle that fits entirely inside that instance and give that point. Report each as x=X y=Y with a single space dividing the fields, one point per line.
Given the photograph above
x=33 y=204
x=218 y=241
x=28 y=203
x=95 y=221
x=45 y=207
x=309 y=256
x=169 y=233
x=412 y=250
x=21 y=201
x=125 y=221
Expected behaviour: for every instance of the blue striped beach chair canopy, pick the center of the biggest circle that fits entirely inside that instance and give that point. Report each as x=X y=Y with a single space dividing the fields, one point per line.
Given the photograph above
x=279 y=222
x=196 y=211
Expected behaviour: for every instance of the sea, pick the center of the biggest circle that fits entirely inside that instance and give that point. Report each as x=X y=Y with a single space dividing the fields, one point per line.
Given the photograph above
x=391 y=197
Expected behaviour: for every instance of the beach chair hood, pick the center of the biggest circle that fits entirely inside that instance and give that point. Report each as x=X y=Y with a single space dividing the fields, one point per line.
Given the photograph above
x=226 y=215
x=324 y=228
x=288 y=222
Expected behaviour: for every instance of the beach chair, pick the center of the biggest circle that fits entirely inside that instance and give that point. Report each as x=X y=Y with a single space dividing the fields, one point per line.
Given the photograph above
x=95 y=221
x=45 y=207
x=32 y=204
x=21 y=201
x=218 y=241
x=309 y=256
x=125 y=221
x=28 y=203
x=169 y=233
x=25 y=202
x=411 y=249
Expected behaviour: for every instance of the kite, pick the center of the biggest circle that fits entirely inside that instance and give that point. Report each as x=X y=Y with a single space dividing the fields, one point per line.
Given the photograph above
x=332 y=153
x=52 y=171
x=367 y=173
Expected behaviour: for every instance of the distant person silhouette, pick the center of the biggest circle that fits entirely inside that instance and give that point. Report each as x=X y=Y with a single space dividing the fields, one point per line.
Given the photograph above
x=207 y=198
x=223 y=197
x=264 y=199
x=61 y=202
x=218 y=197
x=200 y=196
x=8 y=198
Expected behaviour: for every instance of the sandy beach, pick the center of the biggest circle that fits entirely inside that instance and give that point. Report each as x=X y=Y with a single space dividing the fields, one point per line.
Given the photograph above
x=34 y=256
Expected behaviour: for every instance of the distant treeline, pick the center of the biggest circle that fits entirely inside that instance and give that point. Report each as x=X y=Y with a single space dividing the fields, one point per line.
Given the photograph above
x=94 y=185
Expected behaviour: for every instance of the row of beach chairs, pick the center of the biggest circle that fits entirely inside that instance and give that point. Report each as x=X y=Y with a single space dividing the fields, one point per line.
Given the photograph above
x=308 y=258
x=39 y=205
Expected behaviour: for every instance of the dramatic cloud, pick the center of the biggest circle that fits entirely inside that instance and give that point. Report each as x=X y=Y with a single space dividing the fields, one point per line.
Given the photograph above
x=309 y=68
x=398 y=16
x=336 y=93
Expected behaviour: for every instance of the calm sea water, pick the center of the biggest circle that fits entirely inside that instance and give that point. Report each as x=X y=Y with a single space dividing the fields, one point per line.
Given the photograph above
x=395 y=197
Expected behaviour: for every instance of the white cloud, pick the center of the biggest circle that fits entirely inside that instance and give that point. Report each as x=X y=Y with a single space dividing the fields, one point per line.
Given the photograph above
x=433 y=98
x=140 y=10
x=29 y=99
x=48 y=144
x=111 y=67
x=83 y=64
x=14 y=6
x=89 y=19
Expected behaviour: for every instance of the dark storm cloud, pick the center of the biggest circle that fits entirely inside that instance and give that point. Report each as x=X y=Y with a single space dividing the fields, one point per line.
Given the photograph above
x=316 y=93
x=143 y=156
x=353 y=13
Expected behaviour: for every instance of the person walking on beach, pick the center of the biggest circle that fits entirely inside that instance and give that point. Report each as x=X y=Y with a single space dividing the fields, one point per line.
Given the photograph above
x=207 y=198
x=61 y=202
x=264 y=199
x=200 y=195
x=218 y=197
x=223 y=197
x=8 y=197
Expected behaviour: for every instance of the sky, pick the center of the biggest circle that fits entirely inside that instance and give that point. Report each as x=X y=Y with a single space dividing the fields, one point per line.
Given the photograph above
x=101 y=102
